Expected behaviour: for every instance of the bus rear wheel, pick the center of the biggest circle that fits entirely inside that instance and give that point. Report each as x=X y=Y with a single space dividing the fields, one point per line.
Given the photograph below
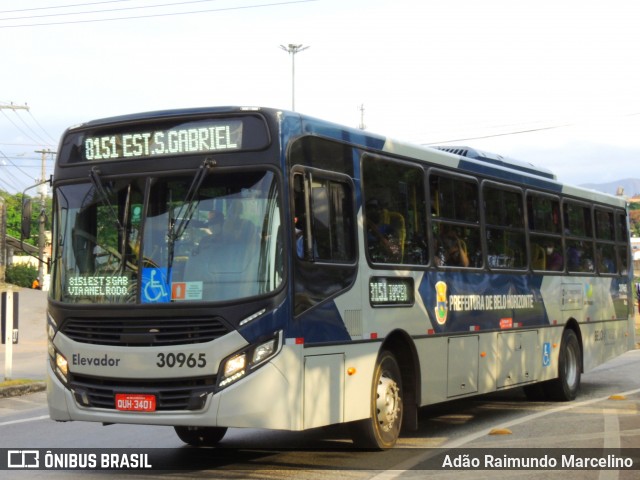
x=382 y=429
x=201 y=436
x=566 y=386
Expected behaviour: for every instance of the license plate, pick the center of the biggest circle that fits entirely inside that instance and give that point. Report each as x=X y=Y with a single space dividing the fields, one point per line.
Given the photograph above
x=135 y=402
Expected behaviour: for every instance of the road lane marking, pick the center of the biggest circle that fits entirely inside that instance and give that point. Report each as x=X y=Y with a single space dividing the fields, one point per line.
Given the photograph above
x=399 y=469
x=611 y=440
x=24 y=420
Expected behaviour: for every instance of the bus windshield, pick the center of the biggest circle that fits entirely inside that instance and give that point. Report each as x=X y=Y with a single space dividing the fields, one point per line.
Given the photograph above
x=168 y=239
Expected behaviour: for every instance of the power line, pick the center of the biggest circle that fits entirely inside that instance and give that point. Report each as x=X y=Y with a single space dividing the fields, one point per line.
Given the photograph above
x=6 y=161
x=7 y=144
x=90 y=12
x=61 y=6
x=13 y=164
x=517 y=132
x=504 y=134
x=7 y=186
x=245 y=7
x=41 y=127
x=23 y=159
x=36 y=136
x=17 y=183
x=38 y=141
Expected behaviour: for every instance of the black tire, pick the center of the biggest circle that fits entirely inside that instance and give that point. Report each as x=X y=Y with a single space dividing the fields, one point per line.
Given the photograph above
x=566 y=386
x=201 y=436
x=382 y=429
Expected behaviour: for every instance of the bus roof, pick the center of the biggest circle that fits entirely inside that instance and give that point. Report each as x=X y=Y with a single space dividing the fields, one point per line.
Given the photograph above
x=498 y=160
x=472 y=161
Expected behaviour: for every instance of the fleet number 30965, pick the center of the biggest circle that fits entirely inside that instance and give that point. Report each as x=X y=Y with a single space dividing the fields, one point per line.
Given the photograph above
x=181 y=360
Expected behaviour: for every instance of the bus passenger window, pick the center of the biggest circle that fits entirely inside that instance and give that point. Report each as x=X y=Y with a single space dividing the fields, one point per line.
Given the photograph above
x=546 y=252
x=577 y=223
x=455 y=222
x=383 y=238
x=580 y=256
x=394 y=211
x=323 y=219
x=622 y=240
x=505 y=236
x=605 y=238
x=451 y=251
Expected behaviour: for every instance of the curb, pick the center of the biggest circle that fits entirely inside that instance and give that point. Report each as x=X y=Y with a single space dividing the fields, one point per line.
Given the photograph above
x=16 y=390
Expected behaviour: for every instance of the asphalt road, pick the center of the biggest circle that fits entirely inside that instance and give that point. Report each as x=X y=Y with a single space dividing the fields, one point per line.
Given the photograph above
x=605 y=416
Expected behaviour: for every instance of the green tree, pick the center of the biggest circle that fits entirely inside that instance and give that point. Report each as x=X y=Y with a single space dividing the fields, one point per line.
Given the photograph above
x=14 y=215
x=21 y=275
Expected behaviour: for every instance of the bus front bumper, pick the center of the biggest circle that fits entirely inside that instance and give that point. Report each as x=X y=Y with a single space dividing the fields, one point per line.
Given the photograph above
x=261 y=400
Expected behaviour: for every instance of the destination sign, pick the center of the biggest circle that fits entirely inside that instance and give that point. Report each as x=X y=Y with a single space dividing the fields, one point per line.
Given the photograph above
x=391 y=291
x=204 y=136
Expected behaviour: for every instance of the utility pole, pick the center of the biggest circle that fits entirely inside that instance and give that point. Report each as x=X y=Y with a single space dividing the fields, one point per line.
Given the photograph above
x=3 y=212
x=14 y=107
x=292 y=49
x=43 y=214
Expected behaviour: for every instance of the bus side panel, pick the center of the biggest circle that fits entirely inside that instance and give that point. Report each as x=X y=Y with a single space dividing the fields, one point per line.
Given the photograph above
x=324 y=378
x=474 y=364
x=603 y=341
x=338 y=383
x=431 y=354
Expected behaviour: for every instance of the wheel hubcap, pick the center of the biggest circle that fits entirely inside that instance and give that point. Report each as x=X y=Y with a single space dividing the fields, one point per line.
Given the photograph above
x=387 y=403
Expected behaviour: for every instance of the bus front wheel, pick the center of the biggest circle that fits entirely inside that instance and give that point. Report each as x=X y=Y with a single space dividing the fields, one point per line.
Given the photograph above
x=201 y=436
x=382 y=429
x=565 y=387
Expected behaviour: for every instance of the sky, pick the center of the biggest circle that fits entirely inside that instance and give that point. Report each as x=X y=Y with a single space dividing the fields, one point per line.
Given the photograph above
x=551 y=82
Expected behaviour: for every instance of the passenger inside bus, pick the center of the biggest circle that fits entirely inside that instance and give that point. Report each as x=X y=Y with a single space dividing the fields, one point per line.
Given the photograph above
x=382 y=238
x=555 y=261
x=451 y=251
x=579 y=257
x=606 y=263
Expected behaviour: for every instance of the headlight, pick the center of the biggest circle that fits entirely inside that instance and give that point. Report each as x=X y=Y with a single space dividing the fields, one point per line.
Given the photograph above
x=264 y=351
x=236 y=366
x=62 y=367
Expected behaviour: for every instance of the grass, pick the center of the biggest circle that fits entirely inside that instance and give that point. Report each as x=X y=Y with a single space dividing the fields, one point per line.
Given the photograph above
x=17 y=381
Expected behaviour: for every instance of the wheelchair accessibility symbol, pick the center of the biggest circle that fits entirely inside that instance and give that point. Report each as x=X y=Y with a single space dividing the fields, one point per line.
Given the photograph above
x=155 y=285
x=546 y=354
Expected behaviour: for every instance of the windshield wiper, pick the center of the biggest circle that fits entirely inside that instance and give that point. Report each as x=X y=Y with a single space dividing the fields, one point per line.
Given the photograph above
x=94 y=175
x=186 y=213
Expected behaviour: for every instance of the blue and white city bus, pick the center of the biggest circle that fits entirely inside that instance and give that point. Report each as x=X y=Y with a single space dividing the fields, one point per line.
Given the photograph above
x=250 y=267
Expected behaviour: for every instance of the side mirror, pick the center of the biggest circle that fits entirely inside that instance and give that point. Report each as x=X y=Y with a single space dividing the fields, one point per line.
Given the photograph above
x=25 y=226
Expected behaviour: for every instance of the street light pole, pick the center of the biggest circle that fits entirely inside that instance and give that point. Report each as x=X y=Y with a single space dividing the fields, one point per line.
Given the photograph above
x=292 y=49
